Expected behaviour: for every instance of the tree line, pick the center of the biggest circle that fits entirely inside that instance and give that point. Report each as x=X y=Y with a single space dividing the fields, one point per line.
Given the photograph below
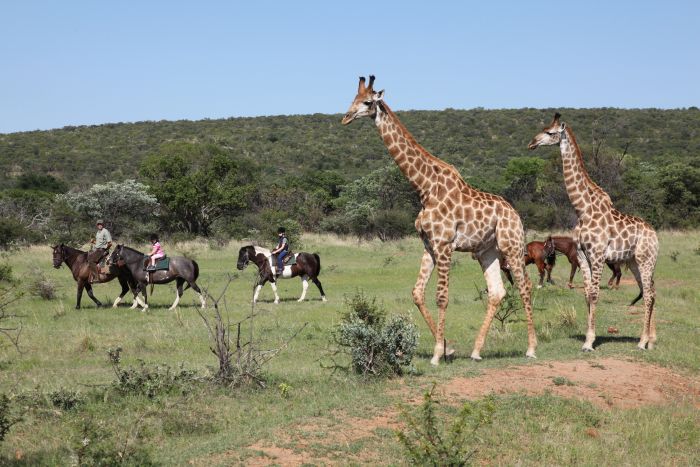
x=242 y=177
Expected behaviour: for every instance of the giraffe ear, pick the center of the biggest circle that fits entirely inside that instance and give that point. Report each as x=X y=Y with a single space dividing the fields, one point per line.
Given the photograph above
x=378 y=96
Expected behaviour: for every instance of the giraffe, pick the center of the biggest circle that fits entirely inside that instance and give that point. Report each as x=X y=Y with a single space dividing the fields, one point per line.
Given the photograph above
x=454 y=217
x=603 y=233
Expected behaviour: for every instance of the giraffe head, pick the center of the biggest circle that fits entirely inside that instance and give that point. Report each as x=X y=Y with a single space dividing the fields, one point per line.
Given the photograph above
x=550 y=135
x=365 y=102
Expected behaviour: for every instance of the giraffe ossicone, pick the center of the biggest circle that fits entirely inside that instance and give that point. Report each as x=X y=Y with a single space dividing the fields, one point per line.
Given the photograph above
x=454 y=217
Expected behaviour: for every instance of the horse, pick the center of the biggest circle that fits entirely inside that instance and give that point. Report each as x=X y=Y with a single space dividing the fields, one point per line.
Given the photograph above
x=543 y=256
x=567 y=246
x=77 y=262
x=307 y=265
x=180 y=270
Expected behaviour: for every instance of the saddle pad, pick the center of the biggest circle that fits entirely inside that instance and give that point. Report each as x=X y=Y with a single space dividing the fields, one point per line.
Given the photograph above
x=162 y=263
x=292 y=261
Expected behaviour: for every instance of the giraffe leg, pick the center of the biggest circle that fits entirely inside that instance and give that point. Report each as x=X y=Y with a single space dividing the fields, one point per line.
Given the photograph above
x=644 y=276
x=490 y=264
x=592 y=272
x=443 y=256
x=426 y=269
x=525 y=289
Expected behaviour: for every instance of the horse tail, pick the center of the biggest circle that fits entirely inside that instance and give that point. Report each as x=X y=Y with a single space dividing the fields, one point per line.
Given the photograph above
x=318 y=264
x=152 y=284
x=196 y=270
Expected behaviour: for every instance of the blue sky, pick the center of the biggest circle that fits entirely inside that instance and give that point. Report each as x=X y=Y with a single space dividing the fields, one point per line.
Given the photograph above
x=94 y=62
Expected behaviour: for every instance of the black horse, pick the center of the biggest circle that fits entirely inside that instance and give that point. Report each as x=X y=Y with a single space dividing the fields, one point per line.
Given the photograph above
x=77 y=262
x=307 y=265
x=180 y=270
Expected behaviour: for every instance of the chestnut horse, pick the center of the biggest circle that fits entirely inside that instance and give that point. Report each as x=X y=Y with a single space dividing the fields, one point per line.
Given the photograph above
x=308 y=266
x=543 y=256
x=567 y=246
x=77 y=262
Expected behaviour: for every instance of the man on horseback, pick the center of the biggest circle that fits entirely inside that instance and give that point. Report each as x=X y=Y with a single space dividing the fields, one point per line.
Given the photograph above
x=281 y=250
x=100 y=248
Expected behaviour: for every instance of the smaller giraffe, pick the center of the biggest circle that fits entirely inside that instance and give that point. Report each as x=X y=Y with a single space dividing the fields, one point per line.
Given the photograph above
x=603 y=234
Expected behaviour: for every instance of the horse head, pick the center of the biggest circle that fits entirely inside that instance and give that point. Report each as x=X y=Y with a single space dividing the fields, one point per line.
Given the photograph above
x=548 y=247
x=243 y=258
x=59 y=255
x=117 y=256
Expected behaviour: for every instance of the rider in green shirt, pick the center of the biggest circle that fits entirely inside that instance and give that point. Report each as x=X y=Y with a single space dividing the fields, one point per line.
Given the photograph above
x=100 y=248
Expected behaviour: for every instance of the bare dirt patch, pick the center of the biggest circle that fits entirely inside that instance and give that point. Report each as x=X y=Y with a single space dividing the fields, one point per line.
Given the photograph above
x=607 y=383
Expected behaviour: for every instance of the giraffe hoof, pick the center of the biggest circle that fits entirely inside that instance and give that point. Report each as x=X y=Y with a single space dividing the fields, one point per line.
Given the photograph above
x=531 y=354
x=586 y=349
x=449 y=352
x=539 y=286
x=641 y=346
x=435 y=361
x=475 y=356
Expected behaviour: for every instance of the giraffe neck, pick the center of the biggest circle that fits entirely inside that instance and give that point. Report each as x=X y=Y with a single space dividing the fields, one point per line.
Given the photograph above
x=414 y=161
x=579 y=186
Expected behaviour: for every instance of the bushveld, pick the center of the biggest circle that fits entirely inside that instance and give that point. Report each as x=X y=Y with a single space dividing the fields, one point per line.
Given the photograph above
x=617 y=405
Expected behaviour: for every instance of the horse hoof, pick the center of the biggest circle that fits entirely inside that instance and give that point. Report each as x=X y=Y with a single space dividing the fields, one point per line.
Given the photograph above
x=300 y=300
x=324 y=299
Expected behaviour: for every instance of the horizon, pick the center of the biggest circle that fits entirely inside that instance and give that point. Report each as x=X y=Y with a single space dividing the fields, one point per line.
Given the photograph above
x=84 y=64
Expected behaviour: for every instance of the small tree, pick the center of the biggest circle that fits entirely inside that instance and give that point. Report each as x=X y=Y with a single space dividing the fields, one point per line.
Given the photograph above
x=118 y=203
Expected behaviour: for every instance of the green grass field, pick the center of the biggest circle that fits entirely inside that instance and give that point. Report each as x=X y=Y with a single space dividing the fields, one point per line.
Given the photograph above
x=310 y=414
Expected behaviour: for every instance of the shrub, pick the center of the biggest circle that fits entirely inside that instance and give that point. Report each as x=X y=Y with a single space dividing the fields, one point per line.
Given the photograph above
x=427 y=442
x=97 y=444
x=377 y=345
x=149 y=381
x=42 y=286
x=65 y=399
x=6 y=273
x=7 y=418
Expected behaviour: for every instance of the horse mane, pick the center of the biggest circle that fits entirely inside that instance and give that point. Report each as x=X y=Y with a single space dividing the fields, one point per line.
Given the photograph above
x=259 y=249
x=131 y=249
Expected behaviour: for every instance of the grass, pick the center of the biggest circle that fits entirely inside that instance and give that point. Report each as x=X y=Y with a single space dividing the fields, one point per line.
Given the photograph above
x=63 y=348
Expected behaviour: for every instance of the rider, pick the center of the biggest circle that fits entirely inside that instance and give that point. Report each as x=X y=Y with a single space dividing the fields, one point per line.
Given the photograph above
x=282 y=249
x=101 y=244
x=155 y=253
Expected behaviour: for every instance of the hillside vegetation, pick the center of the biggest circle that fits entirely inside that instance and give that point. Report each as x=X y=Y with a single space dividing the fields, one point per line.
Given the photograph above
x=311 y=169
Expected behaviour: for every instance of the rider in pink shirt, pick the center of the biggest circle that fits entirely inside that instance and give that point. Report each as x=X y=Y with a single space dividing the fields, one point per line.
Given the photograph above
x=156 y=252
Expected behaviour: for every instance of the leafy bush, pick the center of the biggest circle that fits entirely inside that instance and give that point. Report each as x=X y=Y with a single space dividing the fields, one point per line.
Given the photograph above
x=427 y=442
x=42 y=286
x=149 y=381
x=377 y=345
x=97 y=444
x=7 y=419
x=65 y=399
x=6 y=273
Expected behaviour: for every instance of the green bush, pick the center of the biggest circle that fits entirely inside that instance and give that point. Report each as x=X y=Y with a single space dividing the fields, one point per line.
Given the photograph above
x=376 y=344
x=426 y=440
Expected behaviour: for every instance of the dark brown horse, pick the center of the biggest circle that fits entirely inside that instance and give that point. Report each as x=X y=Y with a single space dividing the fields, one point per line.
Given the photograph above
x=77 y=262
x=308 y=266
x=543 y=256
x=567 y=246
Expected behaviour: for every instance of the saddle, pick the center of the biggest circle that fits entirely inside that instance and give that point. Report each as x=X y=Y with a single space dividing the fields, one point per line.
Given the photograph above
x=161 y=264
x=288 y=260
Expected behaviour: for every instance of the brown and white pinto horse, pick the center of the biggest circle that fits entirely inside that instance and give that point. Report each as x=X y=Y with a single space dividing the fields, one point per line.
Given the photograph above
x=308 y=266
x=567 y=246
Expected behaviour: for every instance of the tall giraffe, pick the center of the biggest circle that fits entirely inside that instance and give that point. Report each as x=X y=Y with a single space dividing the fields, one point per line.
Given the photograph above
x=454 y=217
x=603 y=233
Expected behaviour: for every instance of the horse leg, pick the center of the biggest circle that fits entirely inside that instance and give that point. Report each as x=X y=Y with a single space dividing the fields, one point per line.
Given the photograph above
x=81 y=286
x=202 y=298
x=540 y=268
x=257 y=288
x=125 y=289
x=273 y=284
x=304 y=286
x=574 y=266
x=315 y=280
x=141 y=288
x=178 y=292
x=88 y=288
